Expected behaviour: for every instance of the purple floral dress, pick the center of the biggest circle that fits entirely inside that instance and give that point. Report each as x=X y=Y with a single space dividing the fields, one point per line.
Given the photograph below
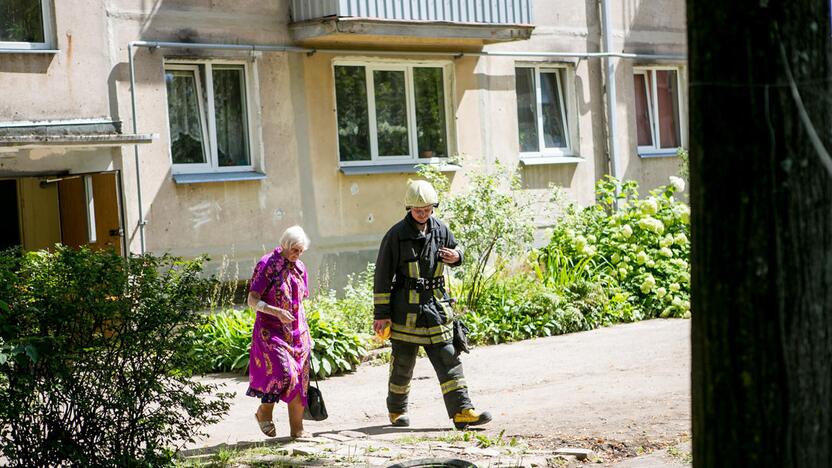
x=279 y=360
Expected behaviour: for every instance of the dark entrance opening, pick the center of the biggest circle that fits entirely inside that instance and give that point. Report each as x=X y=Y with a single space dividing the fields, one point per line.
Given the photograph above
x=10 y=224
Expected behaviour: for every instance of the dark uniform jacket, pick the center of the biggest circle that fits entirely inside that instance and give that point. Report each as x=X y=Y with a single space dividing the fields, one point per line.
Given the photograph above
x=418 y=316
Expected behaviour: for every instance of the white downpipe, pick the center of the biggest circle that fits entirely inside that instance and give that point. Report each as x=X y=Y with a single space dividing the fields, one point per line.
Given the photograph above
x=606 y=32
x=141 y=222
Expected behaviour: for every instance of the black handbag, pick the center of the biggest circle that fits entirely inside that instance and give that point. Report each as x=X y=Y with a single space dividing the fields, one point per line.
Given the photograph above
x=315 y=408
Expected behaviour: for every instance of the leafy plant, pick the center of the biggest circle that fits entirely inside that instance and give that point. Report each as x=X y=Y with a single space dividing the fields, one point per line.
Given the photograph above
x=353 y=311
x=640 y=247
x=684 y=163
x=335 y=350
x=95 y=358
x=225 y=344
x=487 y=221
x=225 y=341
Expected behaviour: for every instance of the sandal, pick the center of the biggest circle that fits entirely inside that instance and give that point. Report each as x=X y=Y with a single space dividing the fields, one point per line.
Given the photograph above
x=266 y=427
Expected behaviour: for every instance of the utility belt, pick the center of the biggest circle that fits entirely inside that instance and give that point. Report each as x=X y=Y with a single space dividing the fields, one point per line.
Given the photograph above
x=419 y=284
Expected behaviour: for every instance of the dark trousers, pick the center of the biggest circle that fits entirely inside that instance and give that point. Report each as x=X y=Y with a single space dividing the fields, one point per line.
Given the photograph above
x=448 y=369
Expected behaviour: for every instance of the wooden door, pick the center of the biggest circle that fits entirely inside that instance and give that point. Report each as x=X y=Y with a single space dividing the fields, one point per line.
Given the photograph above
x=90 y=213
x=107 y=213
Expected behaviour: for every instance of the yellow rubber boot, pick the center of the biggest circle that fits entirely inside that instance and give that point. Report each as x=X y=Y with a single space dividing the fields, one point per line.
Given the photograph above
x=470 y=417
x=399 y=419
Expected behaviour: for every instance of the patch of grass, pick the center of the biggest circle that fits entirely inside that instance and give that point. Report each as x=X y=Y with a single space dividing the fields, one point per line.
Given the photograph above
x=373 y=449
x=479 y=439
x=224 y=457
x=682 y=455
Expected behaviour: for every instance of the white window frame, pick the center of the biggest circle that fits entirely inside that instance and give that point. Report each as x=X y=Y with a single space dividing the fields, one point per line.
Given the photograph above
x=651 y=91
x=47 y=12
x=206 y=110
x=371 y=65
x=563 y=74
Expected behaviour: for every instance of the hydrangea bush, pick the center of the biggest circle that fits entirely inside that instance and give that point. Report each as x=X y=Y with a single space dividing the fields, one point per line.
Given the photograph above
x=636 y=246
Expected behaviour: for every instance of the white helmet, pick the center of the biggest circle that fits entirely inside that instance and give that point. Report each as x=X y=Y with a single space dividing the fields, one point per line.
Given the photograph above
x=420 y=193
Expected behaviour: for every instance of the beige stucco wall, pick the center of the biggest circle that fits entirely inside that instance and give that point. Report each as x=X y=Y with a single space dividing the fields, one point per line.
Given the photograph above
x=235 y=222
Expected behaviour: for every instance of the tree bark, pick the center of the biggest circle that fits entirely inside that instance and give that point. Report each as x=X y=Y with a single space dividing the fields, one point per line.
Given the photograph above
x=761 y=201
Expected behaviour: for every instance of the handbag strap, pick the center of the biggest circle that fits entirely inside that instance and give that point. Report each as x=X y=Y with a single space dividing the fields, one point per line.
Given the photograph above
x=314 y=374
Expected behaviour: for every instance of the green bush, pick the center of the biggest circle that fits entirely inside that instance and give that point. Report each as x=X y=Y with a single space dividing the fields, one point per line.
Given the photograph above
x=225 y=341
x=95 y=358
x=638 y=247
x=519 y=308
x=335 y=350
x=354 y=311
x=489 y=223
x=225 y=344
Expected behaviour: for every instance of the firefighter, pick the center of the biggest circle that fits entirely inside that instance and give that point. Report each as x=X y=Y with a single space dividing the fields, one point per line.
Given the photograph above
x=412 y=305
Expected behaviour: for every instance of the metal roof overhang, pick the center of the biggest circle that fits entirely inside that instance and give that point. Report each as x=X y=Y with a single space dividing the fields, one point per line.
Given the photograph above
x=42 y=141
x=370 y=32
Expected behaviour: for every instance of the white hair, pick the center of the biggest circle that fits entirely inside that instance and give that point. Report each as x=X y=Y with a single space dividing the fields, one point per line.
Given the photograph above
x=293 y=236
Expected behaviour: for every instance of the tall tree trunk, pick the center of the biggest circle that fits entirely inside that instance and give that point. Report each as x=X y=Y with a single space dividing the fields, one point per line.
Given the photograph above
x=761 y=200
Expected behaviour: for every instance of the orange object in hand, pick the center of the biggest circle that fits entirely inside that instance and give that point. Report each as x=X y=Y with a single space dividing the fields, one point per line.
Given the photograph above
x=384 y=334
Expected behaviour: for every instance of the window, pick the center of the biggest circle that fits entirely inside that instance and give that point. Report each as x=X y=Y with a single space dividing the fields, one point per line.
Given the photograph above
x=543 y=127
x=657 y=101
x=26 y=24
x=391 y=113
x=208 y=117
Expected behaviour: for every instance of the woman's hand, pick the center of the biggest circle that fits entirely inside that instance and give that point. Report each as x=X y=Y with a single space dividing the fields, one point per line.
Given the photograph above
x=282 y=314
x=257 y=304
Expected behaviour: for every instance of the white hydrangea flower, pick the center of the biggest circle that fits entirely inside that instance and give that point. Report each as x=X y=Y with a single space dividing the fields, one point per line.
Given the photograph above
x=678 y=183
x=665 y=252
x=651 y=224
x=661 y=292
x=666 y=241
x=626 y=231
x=649 y=206
x=648 y=284
x=642 y=257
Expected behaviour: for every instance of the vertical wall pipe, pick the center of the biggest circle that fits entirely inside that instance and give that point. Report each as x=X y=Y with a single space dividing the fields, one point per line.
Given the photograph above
x=612 y=121
x=141 y=222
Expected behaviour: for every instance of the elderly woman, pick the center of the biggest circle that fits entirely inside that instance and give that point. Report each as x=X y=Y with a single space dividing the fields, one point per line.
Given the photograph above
x=280 y=343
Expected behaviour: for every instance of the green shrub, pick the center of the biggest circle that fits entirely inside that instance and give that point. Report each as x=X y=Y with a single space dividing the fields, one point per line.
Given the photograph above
x=354 y=311
x=639 y=247
x=519 y=308
x=225 y=341
x=95 y=358
x=489 y=223
x=225 y=344
x=335 y=350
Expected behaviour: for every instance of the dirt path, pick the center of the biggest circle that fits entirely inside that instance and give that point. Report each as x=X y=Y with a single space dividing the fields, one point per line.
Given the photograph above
x=628 y=384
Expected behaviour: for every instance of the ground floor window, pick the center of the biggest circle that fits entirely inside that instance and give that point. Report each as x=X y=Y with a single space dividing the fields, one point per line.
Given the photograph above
x=657 y=109
x=391 y=112
x=208 y=117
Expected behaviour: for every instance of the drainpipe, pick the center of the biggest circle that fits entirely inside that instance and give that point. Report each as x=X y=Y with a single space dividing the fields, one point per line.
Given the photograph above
x=606 y=32
x=142 y=222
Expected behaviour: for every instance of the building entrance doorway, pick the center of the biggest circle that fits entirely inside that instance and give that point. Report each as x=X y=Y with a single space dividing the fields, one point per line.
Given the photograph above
x=75 y=210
